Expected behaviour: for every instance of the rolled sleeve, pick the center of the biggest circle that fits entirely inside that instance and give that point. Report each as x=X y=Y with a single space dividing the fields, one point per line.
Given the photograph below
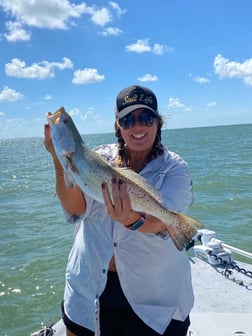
x=180 y=195
x=170 y=175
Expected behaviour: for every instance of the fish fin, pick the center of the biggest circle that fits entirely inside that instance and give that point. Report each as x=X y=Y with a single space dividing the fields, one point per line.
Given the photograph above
x=141 y=182
x=183 y=229
x=69 y=181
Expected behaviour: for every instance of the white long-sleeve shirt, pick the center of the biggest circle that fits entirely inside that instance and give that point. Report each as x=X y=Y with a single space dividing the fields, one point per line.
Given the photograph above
x=155 y=277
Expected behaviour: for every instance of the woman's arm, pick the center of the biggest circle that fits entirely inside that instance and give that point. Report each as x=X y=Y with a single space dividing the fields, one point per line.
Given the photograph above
x=72 y=199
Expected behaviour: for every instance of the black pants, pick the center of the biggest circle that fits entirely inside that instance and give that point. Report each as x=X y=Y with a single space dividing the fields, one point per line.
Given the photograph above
x=117 y=318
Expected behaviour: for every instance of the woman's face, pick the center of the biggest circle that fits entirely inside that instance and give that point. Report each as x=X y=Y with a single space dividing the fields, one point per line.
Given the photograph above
x=140 y=137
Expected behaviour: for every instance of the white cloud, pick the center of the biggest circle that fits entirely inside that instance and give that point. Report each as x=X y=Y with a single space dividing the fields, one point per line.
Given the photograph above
x=42 y=70
x=148 y=78
x=87 y=75
x=117 y=8
x=160 y=49
x=230 y=69
x=74 y=111
x=16 y=32
x=47 y=97
x=143 y=45
x=201 y=80
x=211 y=104
x=66 y=64
x=139 y=47
x=90 y=116
x=54 y=14
x=111 y=31
x=86 y=120
x=175 y=103
x=101 y=17
x=10 y=95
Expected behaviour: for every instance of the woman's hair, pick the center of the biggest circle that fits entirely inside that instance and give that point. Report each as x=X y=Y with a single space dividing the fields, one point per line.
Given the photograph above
x=157 y=148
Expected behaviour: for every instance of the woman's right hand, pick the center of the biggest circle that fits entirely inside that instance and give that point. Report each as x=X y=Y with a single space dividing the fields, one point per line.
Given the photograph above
x=48 y=140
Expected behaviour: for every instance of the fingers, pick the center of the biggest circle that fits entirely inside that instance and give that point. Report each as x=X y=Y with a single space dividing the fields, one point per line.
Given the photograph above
x=48 y=140
x=117 y=200
x=118 y=203
x=107 y=199
x=47 y=136
x=46 y=129
x=120 y=196
x=123 y=196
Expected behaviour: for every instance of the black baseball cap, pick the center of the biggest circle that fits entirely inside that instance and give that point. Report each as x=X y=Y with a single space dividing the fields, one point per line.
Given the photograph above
x=134 y=97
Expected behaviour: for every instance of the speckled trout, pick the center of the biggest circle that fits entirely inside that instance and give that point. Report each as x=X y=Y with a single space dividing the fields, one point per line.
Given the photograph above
x=89 y=170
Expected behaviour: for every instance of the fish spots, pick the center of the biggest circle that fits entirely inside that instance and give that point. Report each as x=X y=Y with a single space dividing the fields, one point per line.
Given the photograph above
x=136 y=193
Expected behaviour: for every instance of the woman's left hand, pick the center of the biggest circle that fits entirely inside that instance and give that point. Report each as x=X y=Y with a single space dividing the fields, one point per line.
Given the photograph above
x=118 y=204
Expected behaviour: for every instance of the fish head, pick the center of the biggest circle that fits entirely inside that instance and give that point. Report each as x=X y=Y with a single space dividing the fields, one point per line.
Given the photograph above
x=65 y=136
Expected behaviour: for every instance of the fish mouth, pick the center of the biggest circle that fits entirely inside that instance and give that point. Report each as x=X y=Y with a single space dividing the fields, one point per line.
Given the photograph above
x=55 y=117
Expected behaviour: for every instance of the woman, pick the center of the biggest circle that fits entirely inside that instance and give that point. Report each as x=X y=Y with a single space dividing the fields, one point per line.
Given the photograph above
x=124 y=276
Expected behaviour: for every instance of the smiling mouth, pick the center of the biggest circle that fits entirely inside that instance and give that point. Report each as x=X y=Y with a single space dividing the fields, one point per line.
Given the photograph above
x=138 y=136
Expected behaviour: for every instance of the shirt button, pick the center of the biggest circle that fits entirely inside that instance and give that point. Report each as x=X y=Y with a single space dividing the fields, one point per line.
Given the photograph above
x=115 y=244
x=103 y=271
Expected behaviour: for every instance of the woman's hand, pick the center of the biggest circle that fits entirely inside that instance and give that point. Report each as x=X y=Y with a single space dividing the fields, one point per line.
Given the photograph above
x=48 y=140
x=118 y=204
x=50 y=148
x=119 y=209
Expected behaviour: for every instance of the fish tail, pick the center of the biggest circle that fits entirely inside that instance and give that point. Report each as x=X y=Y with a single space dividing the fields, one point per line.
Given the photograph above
x=183 y=229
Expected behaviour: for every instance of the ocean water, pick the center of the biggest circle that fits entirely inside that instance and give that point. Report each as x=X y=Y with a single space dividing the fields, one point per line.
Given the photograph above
x=35 y=240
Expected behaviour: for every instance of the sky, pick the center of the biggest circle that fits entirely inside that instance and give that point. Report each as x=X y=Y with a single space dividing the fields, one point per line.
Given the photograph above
x=195 y=55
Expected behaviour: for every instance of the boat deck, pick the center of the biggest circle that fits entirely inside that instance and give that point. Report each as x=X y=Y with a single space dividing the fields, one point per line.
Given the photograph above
x=223 y=300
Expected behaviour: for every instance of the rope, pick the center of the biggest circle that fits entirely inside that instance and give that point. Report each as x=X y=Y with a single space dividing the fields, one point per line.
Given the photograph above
x=228 y=271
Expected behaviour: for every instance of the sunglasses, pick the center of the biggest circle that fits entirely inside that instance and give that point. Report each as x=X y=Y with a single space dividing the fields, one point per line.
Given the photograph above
x=145 y=118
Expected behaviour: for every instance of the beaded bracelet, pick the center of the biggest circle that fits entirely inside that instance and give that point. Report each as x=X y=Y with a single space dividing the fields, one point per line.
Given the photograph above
x=136 y=225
